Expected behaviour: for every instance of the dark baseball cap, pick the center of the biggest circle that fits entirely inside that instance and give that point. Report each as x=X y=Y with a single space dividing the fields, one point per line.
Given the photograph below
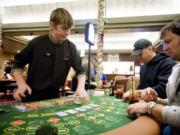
x=139 y=45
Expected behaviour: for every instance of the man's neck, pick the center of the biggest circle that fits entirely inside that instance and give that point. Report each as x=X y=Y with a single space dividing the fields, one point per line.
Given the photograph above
x=151 y=56
x=53 y=39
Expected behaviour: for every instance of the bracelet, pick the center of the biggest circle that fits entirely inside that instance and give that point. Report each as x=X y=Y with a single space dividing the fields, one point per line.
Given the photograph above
x=150 y=106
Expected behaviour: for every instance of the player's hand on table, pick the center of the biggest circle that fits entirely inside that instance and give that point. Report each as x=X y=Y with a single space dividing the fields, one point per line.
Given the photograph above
x=129 y=96
x=22 y=91
x=149 y=94
x=140 y=107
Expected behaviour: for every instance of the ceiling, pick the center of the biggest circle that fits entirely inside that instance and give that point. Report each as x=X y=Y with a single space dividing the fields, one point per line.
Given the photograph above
x=125 y=20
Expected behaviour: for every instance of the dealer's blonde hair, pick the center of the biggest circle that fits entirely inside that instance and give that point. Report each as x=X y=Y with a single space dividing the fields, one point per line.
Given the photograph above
x=61 y=16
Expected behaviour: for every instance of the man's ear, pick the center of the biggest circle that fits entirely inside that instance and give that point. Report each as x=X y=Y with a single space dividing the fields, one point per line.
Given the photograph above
x=51 y=25
x=149 y=48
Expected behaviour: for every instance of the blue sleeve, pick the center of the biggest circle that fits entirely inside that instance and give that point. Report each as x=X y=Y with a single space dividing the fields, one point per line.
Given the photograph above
x=103 y=77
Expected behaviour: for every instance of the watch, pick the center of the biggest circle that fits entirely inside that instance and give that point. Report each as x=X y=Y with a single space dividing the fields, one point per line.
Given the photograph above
x=150 y=106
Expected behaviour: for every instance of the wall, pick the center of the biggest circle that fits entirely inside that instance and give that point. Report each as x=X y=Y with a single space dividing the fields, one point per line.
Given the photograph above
x=122 y=56
x=8 y=49
x=10 y=45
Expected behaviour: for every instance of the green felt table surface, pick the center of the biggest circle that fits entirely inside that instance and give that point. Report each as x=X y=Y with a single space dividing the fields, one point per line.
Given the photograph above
x=101 y=114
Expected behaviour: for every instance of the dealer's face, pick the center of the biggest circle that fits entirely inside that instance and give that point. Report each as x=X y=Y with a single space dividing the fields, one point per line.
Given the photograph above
x=60 y=32
x=172 y=45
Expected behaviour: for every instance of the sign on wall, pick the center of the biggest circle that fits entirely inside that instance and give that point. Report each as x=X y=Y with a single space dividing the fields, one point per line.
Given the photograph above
x=113 y=57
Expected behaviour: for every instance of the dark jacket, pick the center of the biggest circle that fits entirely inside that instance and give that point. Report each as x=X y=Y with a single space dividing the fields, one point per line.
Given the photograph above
x=155 y=74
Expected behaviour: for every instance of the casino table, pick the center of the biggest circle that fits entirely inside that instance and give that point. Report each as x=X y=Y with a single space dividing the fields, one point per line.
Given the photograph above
x=101 y=115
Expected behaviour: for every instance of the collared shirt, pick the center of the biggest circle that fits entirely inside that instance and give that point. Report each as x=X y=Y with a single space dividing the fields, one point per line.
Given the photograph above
x=49 y=62
x=171 y=112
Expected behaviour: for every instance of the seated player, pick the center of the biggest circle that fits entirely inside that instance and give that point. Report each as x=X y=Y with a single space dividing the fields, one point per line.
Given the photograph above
x=167 y=111
x=156 y=69
x=7 y=71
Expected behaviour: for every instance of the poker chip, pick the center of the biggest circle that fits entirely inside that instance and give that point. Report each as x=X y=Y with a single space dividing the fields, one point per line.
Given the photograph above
x=17 y=122
x=53 y=120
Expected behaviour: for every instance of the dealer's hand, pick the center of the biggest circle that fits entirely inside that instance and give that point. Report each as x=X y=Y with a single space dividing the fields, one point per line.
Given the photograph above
x=21 y=92
x=81 y=93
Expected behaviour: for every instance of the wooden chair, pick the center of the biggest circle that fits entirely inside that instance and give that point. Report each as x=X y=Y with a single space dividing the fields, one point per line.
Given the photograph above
x=129 y=84
x=120 y=80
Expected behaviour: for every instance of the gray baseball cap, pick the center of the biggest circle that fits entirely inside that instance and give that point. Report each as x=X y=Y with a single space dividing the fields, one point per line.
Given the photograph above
x=139 y=45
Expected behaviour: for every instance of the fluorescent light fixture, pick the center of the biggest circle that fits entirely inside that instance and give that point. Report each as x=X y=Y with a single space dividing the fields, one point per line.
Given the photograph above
x=28 y=37
x=31 y=2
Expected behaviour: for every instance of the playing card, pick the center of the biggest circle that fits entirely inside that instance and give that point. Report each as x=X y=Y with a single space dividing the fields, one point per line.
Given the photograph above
x=81 y=109
x=71 y=111
x=120 y=100
x=93 y=105
x=87 y=107
x=21 y=108
x=62 y=113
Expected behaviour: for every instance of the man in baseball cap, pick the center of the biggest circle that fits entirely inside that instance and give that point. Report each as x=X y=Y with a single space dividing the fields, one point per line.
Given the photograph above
x=140 y=45
x=156 y=69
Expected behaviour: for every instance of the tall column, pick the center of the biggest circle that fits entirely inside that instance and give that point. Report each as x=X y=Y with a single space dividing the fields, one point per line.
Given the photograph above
x=100 y=32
